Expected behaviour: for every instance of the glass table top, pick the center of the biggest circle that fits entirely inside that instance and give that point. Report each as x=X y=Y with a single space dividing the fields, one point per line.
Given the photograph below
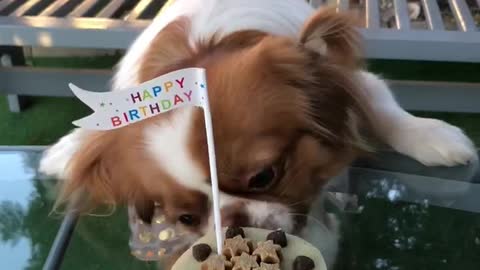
x=394 y=213
x=27 y=230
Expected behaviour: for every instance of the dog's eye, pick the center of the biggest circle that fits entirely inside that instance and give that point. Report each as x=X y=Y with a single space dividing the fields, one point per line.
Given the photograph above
x=262 y=180
x=189 y=220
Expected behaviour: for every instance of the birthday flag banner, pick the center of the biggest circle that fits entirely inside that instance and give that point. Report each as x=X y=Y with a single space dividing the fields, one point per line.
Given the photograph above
x=185 y=87
x=116 y=109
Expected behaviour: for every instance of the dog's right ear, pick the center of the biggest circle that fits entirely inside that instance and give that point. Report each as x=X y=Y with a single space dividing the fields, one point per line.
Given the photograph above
x=88 y=166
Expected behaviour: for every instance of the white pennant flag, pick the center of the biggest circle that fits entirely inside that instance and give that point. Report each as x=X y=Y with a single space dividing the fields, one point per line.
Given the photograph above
x=185 y=87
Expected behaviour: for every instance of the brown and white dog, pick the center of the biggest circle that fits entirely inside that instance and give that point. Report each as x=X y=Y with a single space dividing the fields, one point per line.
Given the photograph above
x=290 y=103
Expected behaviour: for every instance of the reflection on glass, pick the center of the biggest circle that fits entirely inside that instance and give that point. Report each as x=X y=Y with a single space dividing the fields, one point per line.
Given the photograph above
x=392 y=234
x=26 y=229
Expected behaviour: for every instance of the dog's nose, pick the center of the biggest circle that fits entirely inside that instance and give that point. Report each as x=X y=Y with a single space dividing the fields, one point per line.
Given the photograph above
x=235 y=216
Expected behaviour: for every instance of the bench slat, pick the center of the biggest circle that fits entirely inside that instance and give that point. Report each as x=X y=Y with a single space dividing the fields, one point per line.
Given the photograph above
x=5 y=3
x=26 y=7
x=315 y=3
x=413 y=95
x=82 y=9
x=110 y=9
x=433 y=16
x=138 y=10
x=81 y=33
x=373 y=14
x=56 y=6
x=401 y=15
x=462 y=15
x=342 y=5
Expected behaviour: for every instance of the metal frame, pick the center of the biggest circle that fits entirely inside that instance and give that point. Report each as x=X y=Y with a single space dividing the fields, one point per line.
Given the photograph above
x=387 y=164
x=412 y=95
x=105 y=32
x=13 y=56
x=61 y=242
x=109 y=33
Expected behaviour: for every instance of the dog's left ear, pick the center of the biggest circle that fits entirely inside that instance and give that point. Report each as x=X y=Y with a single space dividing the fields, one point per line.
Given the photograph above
x=334 y=36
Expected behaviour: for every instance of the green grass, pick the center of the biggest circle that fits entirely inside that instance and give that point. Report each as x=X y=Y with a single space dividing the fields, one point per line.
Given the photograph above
x=366 y=237
x=95 y=62
x=427 y=71
x=43 y=122
x=46 y=118
x=408 y=236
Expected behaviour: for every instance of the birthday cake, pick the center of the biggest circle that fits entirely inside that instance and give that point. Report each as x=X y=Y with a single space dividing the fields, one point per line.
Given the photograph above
x=252 y=249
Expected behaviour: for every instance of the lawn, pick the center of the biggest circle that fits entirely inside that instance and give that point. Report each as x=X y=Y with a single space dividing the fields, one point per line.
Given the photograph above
x=48 y=118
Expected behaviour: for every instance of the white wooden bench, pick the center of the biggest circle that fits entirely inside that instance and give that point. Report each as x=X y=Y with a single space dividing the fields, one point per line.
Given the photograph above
x=114 y=24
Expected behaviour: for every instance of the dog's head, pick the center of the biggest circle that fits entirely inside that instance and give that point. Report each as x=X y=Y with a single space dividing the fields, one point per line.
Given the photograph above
x=285 y=119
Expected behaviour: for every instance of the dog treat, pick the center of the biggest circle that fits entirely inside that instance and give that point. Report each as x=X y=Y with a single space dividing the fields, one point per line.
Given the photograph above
x=266 y=266
x=215 y=262
x=256 y=249
x=201 y=252
x=278 y=237
x=236 y=246
x=244 y=262
x=303 y=263
x=234 y=231
x=268 y=252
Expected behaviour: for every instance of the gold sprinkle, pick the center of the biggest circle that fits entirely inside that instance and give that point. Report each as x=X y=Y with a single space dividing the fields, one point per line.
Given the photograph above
x=166 y=234
x=137 y=253
x=149 y=254
x=182 y=233
x=162 y=252
x=145 y=237
x=160 y=219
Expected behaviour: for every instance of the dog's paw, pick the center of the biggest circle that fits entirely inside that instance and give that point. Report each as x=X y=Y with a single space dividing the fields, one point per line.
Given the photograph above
x=433 y=143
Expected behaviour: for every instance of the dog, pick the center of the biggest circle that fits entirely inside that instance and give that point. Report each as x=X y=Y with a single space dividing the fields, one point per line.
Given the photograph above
x=292 y=106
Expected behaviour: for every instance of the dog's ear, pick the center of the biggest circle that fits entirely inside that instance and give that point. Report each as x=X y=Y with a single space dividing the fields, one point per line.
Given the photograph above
x=334 y=36
x=167 y=50
x=92 y=173
x=55 y=159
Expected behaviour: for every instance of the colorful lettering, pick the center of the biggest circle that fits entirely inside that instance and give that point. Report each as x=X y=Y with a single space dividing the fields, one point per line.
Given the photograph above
x=188 y=95
x=156 y=90
x=166 y=104
x=133 y=113
x=180 y=82
x=116 y=121
x=135 y=97
x=143 y=108
x=168 y=85
x=146 y=95
x=177 y=99
x=154 y=108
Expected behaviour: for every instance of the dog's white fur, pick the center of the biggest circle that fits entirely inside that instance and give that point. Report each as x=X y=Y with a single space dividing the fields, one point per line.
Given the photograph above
x=167 y=143
x=429 y=141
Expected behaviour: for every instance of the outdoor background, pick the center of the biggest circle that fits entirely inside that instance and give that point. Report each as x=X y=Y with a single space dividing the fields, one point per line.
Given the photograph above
x=385 y=235
x=45 y=119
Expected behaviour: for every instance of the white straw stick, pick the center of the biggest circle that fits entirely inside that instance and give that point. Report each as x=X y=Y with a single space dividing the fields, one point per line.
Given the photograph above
x=213 y=175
